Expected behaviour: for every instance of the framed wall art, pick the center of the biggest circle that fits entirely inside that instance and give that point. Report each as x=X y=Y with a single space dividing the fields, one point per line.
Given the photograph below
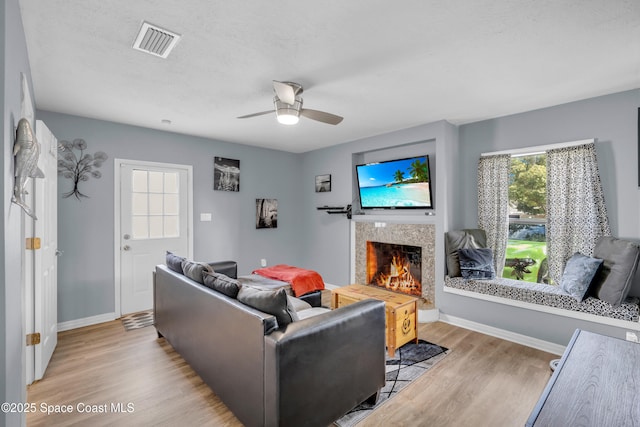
x=226 y=174
x=266 y=213
x=323 y=183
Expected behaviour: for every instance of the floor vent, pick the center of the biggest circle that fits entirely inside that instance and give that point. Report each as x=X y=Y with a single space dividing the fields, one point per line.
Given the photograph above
x=155 y=40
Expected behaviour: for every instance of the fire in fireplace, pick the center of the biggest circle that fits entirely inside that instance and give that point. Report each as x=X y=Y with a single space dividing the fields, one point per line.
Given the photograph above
x=395 y=267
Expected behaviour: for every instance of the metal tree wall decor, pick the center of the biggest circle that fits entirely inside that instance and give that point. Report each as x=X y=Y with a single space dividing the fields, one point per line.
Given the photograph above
x=81 y=167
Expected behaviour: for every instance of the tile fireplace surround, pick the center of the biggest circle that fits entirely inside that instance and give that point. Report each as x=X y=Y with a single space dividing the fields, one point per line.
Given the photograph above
x=422 y=235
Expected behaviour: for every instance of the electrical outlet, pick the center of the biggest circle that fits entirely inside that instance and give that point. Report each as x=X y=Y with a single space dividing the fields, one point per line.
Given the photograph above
x=632 y=336
x=263 y=262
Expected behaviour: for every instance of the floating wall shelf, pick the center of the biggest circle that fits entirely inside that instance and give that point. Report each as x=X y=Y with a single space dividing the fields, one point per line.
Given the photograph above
x=336 y=210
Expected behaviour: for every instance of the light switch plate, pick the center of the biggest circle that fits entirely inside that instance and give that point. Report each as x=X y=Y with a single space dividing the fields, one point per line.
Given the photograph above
x=205 y=217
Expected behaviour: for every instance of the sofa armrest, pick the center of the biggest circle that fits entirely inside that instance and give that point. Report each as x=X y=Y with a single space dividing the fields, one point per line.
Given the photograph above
x=323 y=366
x=228 y=268
x=313 y=298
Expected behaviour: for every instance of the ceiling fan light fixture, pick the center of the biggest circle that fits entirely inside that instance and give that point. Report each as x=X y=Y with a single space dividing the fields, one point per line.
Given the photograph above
x=288 y=118
x=288 y=114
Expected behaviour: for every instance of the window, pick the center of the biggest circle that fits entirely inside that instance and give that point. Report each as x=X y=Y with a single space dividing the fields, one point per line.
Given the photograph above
x=574 y=214
x=526 y=253
x=155 y=204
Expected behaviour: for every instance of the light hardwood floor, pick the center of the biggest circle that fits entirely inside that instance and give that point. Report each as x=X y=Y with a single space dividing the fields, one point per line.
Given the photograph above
x=484 y=381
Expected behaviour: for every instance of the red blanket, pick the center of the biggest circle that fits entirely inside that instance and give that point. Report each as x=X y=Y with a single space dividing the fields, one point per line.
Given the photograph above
x=302 y=281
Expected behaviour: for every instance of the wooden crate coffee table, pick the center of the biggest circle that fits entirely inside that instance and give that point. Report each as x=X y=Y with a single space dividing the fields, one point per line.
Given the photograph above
x=401 y=311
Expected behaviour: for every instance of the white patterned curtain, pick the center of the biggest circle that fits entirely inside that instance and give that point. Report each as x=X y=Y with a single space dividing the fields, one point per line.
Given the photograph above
x=493 y=205
x=576 y=212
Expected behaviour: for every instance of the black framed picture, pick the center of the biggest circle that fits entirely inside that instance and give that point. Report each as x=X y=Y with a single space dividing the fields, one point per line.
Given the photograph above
x=266 y=213
x=226 y=174
x=323 y=183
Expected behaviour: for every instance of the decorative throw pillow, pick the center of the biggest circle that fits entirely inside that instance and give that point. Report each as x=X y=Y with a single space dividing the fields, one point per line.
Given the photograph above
x=174 y=262
x=578 y=275
x=613 y=281
x=297 y=304
x=221 y=283
x=476 y=263
x=271 y=302
x=461 y=239
x=193 y=270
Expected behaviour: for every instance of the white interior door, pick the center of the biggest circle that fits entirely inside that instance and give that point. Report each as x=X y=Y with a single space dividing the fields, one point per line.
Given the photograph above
x=45 y=261
x=155 y=212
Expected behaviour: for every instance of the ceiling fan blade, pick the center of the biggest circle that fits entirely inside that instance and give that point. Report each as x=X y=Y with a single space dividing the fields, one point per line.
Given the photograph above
x=321 y=116
x=285 y=92
x=256 y=114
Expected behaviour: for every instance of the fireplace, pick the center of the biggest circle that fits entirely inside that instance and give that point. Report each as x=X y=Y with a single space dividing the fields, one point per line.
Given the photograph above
x=396 y=267
x=421 y=235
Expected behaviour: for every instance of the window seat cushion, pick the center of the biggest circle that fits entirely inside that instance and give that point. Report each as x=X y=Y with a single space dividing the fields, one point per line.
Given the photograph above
x=552 y=296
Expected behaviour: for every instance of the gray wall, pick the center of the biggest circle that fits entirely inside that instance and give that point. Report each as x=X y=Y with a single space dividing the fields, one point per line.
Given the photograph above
x=327 y=236
x=85 y=228
x=86 y=282
x=612 y=120
x=12 y=332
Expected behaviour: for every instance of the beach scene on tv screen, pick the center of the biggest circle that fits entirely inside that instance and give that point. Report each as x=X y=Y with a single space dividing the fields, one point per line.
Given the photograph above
x=395 y=184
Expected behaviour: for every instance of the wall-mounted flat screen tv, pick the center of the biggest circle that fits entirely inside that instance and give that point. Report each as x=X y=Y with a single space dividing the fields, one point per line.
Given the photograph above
x=395 y=184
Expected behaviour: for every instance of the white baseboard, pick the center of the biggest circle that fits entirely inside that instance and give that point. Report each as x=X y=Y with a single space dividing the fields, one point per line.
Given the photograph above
x=547 y=346
x=87 y=321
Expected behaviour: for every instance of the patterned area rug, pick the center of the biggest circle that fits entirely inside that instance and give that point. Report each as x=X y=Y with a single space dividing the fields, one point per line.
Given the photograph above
x=137 y=320
x=410 y=361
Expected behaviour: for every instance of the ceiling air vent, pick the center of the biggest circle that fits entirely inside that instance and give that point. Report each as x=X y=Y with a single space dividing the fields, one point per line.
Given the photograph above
x=155 y=40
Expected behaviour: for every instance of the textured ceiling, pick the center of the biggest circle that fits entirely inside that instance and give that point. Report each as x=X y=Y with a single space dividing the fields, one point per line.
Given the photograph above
x=381 y=65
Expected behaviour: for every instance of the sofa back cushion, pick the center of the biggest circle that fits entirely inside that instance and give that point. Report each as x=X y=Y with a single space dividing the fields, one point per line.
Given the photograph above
x=614 y=280
x=271 y=302
x=174 y=262
x=221 y=283
x=193 y=270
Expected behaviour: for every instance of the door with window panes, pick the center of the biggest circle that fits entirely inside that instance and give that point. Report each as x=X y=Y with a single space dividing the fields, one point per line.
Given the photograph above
x=153 y=220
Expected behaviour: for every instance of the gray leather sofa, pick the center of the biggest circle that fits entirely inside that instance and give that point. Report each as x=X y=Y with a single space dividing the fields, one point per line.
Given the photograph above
x=308 y=373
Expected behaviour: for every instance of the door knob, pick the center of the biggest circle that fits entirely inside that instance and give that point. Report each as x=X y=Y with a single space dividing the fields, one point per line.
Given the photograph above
x=58 y=252
x=126 y=247
x=126 y=237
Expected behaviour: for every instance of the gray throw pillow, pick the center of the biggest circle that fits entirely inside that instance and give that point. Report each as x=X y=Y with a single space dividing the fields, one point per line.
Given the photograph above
x=174 y=262
x=461 y=239
x=271 y=302
x=221 y=283
x=193 y=270
x=297 y=304
x=476 y=263
x=578 y=275
x=614 y=280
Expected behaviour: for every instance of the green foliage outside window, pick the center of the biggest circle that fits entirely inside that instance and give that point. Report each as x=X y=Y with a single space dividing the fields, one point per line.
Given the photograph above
x=528 y=185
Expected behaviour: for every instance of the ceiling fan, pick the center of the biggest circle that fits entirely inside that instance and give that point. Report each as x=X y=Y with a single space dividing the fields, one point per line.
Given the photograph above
x=288 y=106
